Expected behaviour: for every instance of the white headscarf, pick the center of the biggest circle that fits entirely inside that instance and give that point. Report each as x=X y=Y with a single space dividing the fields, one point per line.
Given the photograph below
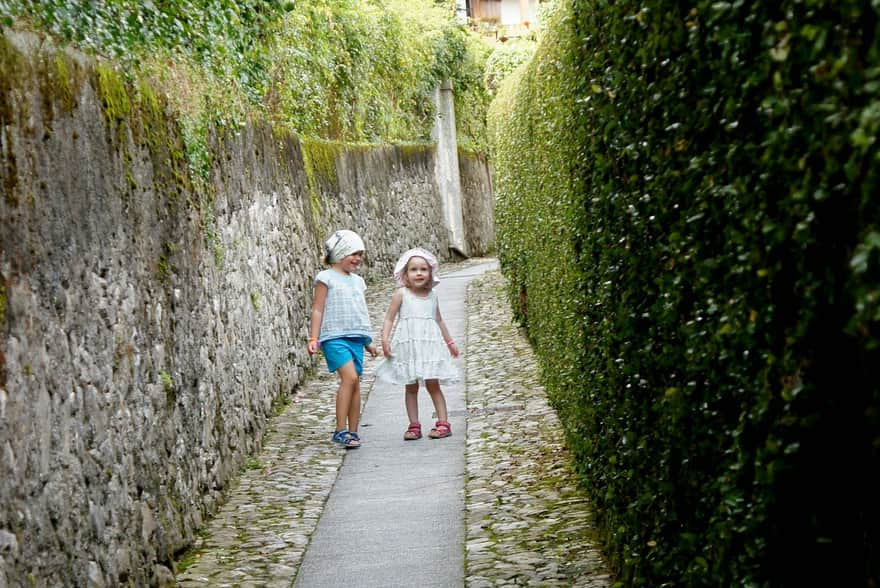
x=342 y=244
x=416 y=252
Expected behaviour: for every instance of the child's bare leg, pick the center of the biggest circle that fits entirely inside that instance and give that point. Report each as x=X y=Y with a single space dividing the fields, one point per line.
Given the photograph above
x=354 y=410
x=411 y=398
x=437 y=398
x=348 y=398
x=441 y=427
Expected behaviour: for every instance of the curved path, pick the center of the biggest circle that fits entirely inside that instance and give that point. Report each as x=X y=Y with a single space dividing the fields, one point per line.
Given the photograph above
x=495 y=504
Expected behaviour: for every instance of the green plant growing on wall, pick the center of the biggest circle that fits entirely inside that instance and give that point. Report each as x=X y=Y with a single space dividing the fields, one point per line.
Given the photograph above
x=350 y=70
x=62 y=78
x=504 y=59
x=114 y=95
x=212 y=239
x=195 y=139
x=168 y=387
x=319 y=162
x=12 y=68
x=163 y=265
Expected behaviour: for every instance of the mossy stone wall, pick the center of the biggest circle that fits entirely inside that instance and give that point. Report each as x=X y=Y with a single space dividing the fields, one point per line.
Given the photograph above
x=152 y=318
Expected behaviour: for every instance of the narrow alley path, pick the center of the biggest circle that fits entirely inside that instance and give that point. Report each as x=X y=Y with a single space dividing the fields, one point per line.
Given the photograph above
x=493 y=505
x=394 y=516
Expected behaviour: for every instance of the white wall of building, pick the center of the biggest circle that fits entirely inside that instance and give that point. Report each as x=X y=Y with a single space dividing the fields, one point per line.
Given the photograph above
x=511 y=11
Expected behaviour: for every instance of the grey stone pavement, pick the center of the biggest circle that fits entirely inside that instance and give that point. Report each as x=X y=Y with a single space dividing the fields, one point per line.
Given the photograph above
x=495 y=504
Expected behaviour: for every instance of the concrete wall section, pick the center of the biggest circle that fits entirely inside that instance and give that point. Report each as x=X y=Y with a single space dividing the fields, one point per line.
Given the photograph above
x=447 y=172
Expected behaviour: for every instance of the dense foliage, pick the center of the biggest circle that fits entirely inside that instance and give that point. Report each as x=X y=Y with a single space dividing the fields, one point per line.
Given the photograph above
x=226 y=36
x=366 y=71
x=688 y=215
x=351 y=70
x=504 y=60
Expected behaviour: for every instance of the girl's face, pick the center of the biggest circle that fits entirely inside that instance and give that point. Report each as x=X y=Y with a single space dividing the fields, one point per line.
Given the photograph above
x=418 y=273
x=351 y=263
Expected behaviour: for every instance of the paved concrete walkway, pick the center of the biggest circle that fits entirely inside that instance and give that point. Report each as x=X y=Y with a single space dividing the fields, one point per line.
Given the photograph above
x=396 y=514
x=494 y=505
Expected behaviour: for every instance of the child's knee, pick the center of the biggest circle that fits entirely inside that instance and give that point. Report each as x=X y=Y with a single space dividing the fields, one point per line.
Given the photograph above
x=348 y=372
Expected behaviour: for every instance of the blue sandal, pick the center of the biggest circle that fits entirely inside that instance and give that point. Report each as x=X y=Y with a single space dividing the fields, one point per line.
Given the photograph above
x=346 y=438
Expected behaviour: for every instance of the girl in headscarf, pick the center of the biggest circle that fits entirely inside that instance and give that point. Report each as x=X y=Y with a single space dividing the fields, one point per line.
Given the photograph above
x=422 y=348
x=340 y=327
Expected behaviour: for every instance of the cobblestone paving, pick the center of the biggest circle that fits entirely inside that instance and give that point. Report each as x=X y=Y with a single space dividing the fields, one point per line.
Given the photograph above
x=527 y=524
x=259 y=536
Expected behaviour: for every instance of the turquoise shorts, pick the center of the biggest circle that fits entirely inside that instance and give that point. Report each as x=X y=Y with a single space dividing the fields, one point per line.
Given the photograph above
x=339 y=352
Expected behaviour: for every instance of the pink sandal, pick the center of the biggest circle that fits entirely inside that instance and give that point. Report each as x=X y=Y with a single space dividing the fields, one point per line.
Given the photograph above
x=413 y=432
x=441 y=429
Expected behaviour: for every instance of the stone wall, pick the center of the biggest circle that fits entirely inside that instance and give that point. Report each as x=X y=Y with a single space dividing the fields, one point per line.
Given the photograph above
x=151 y=323
x=478 y=210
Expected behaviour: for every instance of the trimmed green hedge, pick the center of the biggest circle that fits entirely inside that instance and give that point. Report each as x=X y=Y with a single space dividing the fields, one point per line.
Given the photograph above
x=688 y=217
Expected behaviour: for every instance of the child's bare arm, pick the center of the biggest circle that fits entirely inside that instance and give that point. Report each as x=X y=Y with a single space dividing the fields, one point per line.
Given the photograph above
x=317 y=316
x=446 y=336
x=388 y=324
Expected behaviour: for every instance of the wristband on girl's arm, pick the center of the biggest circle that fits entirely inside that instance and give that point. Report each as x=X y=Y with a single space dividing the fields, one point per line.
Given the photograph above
x=450 y=343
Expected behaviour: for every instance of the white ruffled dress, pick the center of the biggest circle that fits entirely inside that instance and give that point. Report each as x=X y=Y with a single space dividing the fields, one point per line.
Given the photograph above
x=418 y=350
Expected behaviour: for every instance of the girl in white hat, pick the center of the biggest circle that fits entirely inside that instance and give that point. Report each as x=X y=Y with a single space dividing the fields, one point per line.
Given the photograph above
x=421 y=349
x=340 y=327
